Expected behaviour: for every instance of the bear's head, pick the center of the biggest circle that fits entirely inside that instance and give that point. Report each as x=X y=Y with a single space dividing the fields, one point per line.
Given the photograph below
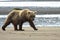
x=28 y=14
x=31 y=15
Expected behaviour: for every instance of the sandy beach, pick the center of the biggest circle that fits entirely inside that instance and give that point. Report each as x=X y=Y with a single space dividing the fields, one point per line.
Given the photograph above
x=43 y=33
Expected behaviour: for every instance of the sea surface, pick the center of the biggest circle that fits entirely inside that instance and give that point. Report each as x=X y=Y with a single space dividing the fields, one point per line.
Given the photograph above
x=44 y=21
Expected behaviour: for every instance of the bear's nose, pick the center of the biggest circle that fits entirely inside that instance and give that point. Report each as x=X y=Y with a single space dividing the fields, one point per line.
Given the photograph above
x=33 y=18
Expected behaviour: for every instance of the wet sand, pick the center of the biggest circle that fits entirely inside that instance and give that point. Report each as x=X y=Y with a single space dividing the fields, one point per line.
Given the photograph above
x=43 y=33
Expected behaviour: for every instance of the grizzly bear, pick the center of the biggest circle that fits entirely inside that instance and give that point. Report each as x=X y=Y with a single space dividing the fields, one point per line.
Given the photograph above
x=18 y=17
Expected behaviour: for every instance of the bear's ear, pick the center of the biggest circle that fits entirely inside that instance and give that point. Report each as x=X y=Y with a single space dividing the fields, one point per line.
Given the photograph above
x=28 y=12
x=35 y=11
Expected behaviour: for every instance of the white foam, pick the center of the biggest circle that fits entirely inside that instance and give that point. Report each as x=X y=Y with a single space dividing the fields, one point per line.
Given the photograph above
x=57 y=15
x=3 y=16
x=24 y=4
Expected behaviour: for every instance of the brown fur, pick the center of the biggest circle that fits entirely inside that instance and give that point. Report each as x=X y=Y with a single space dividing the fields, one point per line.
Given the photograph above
x=18 y=17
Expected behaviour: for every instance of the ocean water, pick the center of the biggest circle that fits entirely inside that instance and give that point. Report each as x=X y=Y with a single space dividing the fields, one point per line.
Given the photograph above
x=40 y=21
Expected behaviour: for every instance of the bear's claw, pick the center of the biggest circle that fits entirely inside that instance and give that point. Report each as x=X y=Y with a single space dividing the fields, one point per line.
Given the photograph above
x=35 y=29
x=3 y=29
x=21 y=29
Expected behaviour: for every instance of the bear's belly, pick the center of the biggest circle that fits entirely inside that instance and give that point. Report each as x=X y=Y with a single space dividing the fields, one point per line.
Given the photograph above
x=22 y=20
x=18 y=20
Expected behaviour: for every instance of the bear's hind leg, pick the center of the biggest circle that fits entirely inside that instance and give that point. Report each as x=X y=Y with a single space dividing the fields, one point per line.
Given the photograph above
x=5 y=25
x=15 y=27
x=20 y=26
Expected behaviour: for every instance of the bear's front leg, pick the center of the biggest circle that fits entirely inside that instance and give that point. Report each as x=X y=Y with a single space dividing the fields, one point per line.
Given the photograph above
x=32 y=25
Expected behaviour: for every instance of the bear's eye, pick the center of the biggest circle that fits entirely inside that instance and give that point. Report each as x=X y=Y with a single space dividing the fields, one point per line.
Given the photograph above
x=32 y=16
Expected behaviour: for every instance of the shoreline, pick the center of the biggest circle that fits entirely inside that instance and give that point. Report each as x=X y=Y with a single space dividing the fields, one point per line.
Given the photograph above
x=43 y=33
